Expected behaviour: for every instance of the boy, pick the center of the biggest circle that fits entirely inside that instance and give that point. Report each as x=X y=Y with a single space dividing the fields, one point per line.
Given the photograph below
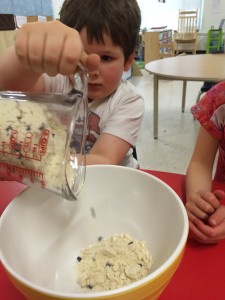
x=102 y=35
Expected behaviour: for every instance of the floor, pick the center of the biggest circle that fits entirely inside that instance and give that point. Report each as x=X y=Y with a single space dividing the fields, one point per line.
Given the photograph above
x=177 y=133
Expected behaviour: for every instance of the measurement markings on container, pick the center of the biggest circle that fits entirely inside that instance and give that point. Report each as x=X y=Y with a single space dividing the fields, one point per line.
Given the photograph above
x=23 y=172
x=26 y=148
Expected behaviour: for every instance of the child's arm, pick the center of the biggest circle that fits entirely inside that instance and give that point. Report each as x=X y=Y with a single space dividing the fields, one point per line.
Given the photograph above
x=199 y=200
x=42 y=47
x=108 y=149
x=14 y=76
x=206 y=216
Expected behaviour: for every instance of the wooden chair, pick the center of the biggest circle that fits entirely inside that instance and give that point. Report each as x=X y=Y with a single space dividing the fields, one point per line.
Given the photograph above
x=186 y=35
x=205 y=88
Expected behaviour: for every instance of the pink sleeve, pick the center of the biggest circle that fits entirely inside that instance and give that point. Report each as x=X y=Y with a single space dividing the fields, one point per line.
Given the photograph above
x=210 y=111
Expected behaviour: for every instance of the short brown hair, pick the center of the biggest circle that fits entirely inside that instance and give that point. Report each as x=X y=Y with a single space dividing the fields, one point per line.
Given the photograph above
x=120 y=19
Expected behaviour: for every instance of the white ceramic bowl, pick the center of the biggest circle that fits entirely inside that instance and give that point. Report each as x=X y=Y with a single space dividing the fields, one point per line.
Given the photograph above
x=41 y=234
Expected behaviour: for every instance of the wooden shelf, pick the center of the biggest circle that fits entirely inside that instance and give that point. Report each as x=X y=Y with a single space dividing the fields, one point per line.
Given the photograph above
x=214 y=41
x=153 y=43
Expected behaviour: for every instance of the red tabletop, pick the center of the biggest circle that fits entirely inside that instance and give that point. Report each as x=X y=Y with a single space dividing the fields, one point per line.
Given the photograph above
x=200 y=276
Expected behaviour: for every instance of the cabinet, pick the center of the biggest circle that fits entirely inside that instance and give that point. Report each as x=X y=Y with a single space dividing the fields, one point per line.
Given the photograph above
x=139 y=54
x=153 y=43
x=214 y=41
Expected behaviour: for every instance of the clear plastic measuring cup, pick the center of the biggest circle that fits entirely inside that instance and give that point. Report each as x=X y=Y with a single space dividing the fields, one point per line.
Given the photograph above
x=42 y=138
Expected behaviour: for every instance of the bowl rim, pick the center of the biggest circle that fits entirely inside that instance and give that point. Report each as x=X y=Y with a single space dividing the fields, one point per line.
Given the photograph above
x=122 y=290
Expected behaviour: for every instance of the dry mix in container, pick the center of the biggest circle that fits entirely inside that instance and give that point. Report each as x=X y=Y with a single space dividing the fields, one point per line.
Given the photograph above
x=32 y=143
x=113 y=263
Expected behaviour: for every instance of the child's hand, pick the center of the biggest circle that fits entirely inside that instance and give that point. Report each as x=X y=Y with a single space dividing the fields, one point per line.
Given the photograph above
x=210 y=233
x=206 y=216
x=203 y=203
x=52 y=48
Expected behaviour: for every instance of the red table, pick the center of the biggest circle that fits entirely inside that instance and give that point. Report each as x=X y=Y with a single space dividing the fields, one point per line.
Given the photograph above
x=200 y=276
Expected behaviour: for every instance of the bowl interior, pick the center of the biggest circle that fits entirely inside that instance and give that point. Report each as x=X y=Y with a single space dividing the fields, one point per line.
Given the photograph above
x=41 y=234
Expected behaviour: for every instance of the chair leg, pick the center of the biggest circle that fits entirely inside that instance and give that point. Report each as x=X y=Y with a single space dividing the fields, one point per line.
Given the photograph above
x=199 y=96
x=135 y=153
x=195 y=48
x=184 y=95
x=198 y=99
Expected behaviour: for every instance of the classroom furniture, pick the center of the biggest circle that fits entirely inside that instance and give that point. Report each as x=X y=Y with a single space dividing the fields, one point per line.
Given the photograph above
x=215 y=44
x=186 y=34
x=156 y=43
x=166 y=50
x=201 y=67
x=204 y=89
x=214 y=41
x=199 y=276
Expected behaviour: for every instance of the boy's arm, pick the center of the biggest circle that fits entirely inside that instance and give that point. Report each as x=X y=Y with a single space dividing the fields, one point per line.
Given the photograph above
x=42 y=47
x=108 y=149
x=15 y=77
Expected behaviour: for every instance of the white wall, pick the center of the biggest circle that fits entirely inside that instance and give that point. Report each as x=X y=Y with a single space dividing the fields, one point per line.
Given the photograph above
x=153 y=12
x=156 y=14
x=56 y=7
x=213 y=13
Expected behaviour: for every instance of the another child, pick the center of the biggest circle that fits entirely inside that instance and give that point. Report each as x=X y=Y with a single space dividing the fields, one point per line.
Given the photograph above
x=102 y=35
x=206 y=214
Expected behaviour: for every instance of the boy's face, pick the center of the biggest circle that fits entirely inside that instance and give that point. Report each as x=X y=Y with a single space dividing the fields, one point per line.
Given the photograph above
x=106 y=80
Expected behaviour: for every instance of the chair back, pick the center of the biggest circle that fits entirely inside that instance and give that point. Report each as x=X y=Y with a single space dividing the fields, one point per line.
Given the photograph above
x=187 y=24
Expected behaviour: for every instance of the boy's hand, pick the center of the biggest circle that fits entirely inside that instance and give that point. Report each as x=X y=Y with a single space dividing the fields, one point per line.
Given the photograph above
x=52 y=48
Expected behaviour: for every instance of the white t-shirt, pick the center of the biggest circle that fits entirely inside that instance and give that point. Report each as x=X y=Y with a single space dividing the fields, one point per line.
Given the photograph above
x=120 y=114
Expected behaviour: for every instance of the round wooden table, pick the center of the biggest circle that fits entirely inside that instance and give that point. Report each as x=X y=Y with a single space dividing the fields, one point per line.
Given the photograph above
x=200 y=67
